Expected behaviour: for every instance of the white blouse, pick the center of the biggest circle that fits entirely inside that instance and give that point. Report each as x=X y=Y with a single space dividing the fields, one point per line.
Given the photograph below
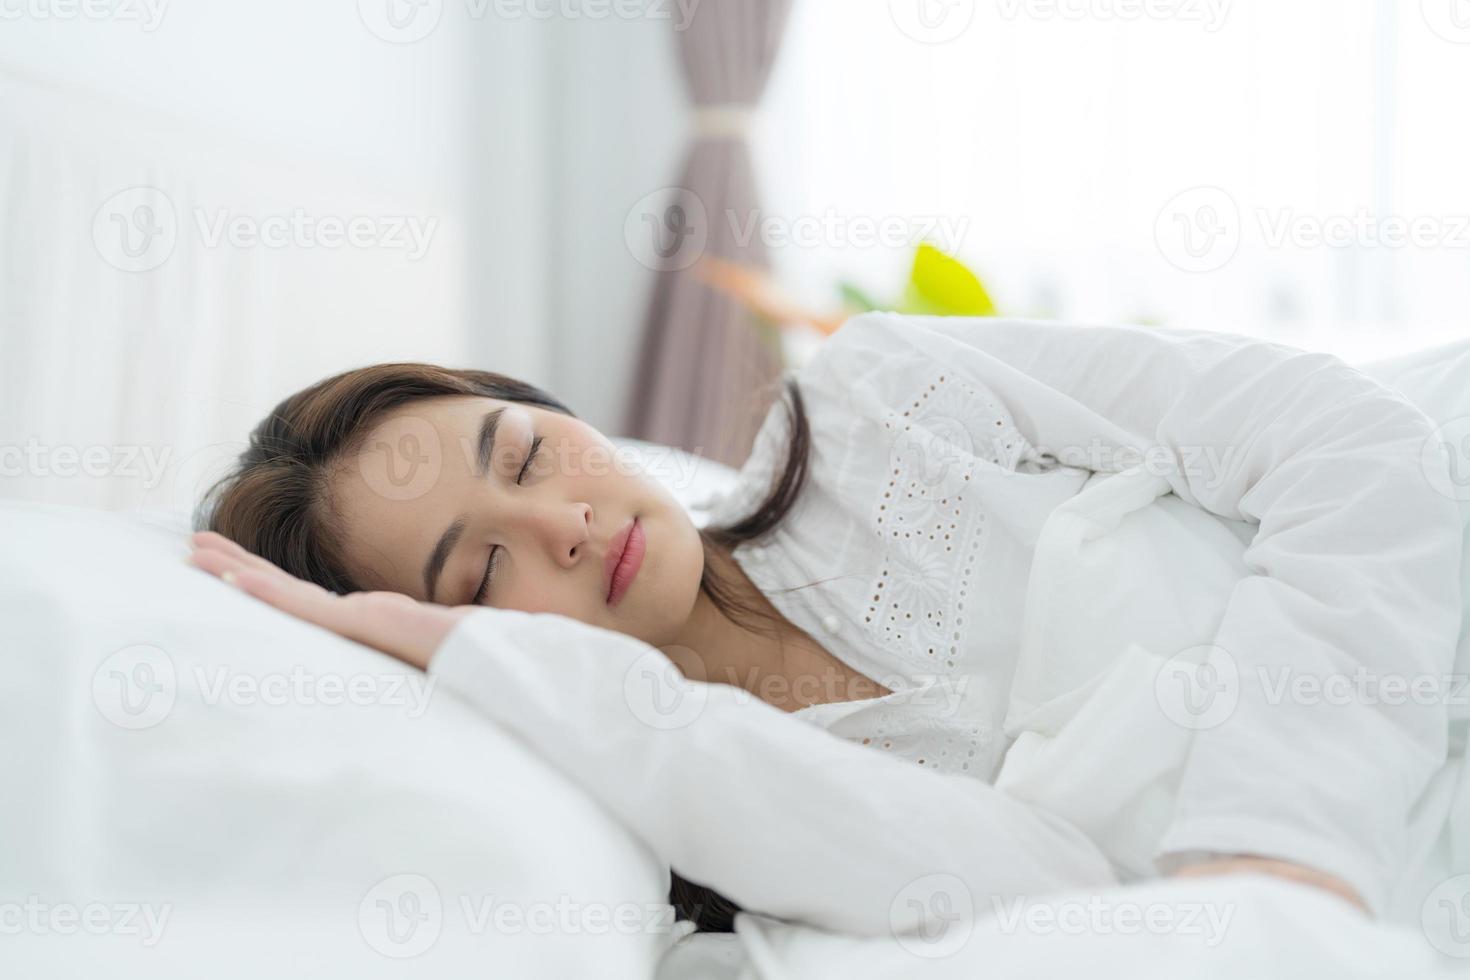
x=942 y=449
x=907 y=552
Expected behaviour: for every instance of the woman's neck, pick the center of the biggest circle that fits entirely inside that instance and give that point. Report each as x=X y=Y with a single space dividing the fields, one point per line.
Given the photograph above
x=772 y=658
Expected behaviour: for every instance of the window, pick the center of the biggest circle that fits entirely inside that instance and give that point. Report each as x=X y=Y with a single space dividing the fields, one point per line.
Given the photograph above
x=1296 y=170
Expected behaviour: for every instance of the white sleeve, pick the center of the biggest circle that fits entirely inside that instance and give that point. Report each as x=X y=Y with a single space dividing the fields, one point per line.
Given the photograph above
x=1355 y=565
x=778 y=815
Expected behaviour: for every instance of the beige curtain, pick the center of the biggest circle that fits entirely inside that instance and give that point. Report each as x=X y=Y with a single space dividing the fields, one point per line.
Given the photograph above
x=706 y=376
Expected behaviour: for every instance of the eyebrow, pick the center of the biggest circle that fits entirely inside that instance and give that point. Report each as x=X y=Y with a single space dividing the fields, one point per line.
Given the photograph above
x=484 y=452
x=486 y=440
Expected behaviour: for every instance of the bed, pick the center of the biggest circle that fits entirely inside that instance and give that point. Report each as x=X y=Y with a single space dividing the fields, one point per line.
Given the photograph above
x=197 y=783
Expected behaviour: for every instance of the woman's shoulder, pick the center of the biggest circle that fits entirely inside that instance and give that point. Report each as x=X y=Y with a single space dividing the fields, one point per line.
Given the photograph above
x=885 y=385
x=902 y=362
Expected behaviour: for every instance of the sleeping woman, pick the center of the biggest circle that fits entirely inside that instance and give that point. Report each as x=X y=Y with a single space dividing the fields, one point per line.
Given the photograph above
x=849 y=680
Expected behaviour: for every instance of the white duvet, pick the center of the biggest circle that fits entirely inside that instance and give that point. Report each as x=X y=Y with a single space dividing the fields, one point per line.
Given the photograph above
x=1126 y=580
x=1228 y=929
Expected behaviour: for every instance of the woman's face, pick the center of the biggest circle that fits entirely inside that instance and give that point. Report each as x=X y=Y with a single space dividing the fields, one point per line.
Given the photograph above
x=442 y=490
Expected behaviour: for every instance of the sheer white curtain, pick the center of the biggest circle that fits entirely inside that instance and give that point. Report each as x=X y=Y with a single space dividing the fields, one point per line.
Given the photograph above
x=1247 y=165
x=129 y=377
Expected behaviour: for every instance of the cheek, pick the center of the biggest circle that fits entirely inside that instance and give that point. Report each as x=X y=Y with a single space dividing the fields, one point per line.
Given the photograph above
x=540 y=597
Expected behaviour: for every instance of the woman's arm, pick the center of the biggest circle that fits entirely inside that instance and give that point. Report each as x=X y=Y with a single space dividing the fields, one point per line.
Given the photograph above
x=778 y=815
x=1356 y=561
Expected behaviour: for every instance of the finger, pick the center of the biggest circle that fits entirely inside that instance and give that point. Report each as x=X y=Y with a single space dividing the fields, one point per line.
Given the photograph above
x=286 y=593
x=377 y=620
x=299 y=599
x=221 y=564
x=230 y=567
x=211 y=541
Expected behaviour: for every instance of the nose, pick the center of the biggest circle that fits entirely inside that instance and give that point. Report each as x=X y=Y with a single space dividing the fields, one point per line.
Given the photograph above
x=567 y=532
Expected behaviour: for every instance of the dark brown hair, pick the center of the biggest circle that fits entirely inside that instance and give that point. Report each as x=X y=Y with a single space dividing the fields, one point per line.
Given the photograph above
x=274 y=503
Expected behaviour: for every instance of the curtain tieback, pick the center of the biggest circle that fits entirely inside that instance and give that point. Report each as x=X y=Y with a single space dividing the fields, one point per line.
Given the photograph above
x=726 y=120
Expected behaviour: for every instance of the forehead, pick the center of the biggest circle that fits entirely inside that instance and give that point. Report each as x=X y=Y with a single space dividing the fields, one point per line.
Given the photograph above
x=402 y=487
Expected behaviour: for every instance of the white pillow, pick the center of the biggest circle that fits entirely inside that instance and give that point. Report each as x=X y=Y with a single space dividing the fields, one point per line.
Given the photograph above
x=270 y=793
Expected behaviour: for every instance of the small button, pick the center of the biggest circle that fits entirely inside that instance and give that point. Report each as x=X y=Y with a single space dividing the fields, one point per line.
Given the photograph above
x=831 y=624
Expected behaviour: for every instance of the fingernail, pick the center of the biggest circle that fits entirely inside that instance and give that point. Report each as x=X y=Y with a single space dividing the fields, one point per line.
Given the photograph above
x=228 y=577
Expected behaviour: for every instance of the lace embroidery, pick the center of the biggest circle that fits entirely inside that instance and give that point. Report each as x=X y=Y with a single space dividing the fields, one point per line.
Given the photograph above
x=961 y=746
x=929 y=536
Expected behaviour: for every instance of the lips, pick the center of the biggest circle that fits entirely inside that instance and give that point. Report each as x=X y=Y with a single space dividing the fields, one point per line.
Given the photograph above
x=624 y=558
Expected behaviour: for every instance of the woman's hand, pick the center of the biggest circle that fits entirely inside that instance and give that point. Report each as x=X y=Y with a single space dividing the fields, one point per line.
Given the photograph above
x=396 y=624
x=1281 y=869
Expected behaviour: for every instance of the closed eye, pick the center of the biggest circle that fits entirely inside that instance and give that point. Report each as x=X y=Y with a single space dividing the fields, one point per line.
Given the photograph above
x=530 y=458
x=489 y=571
x=494 y=558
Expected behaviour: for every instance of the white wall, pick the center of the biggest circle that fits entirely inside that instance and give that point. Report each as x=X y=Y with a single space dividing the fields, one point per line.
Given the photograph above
x=306 y=79
x=620 y=135
x=528 y=140
x=538 y=135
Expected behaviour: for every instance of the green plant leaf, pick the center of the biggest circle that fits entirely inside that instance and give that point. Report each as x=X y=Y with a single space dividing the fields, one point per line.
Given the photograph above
x=854 y=298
